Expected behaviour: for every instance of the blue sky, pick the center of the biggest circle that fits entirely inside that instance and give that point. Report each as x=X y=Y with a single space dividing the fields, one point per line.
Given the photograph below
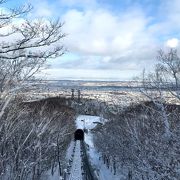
x=110 y=39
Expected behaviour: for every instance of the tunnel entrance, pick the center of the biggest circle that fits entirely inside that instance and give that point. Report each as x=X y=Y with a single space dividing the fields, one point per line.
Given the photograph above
x=79 y=134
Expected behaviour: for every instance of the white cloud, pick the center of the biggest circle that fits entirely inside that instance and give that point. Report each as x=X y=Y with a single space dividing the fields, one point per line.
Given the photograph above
x=102 y=33
x=125 y=40
x=42 y=9
x=121 y=41
x=172 y=43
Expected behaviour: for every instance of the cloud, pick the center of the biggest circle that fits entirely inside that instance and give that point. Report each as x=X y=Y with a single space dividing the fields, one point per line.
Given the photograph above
x=102 y=33
x=105 y=40
x=127 y=38
x=172 y=43
x=42 y=9
x=79 y=3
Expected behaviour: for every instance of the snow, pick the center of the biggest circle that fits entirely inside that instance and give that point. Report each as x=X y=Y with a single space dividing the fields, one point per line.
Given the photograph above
x=90 y=122
x=76 y=170
x=70 y=150
x=49 y=176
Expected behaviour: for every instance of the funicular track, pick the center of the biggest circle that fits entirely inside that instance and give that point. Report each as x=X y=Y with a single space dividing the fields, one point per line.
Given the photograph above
x=80 y=166
x=76 y=172
x=88 y=172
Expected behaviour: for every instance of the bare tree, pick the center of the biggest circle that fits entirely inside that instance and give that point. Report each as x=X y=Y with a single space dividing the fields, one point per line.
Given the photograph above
x=168 y=70
x=153 y=90
x=27 y=137
x=163 y=83
x=25 y=47
x=34 y=138
x=142 y=141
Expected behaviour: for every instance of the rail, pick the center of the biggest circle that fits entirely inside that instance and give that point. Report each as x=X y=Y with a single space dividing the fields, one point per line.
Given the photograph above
x=80 y=168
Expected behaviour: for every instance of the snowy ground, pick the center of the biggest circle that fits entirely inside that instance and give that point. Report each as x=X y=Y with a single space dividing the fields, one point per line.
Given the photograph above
x=89 y=122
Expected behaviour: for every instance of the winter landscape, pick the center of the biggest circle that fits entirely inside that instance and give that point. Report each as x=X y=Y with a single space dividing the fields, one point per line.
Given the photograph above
x=89 y=90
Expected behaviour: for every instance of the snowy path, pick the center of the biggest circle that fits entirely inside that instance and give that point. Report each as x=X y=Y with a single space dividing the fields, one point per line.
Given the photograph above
x=76 y=171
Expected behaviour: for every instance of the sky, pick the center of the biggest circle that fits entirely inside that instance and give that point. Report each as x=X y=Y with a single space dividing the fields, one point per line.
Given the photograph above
x=109 y=39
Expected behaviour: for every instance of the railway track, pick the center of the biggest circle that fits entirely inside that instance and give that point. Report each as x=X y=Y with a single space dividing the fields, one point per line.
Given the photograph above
x=76 y=172
x=80 y=167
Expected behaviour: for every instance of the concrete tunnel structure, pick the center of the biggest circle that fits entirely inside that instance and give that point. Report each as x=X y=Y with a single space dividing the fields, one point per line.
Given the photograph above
x=79 y=135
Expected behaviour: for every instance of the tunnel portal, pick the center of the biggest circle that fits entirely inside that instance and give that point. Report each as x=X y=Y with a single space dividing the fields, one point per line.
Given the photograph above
x=79 y=135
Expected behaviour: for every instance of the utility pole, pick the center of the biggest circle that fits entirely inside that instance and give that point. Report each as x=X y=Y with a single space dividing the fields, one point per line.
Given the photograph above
x=79 y=96
x=72 y=93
